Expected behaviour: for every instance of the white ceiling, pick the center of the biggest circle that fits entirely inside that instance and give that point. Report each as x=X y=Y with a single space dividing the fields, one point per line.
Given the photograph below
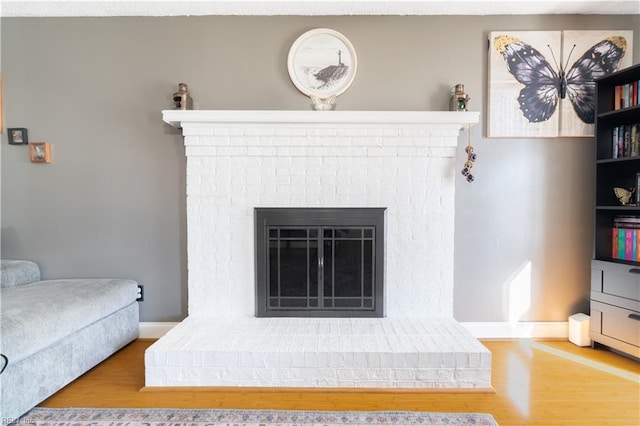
x=15 y=8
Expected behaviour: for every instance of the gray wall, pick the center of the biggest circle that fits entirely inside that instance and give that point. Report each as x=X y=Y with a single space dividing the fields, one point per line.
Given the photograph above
x=112 y=202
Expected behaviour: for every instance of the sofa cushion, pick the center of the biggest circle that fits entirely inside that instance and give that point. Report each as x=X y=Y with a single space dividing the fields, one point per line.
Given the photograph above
x=17 y=272
x=39 y=314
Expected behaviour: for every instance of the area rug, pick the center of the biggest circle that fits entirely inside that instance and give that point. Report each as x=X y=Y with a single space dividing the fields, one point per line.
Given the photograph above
x=179 y=417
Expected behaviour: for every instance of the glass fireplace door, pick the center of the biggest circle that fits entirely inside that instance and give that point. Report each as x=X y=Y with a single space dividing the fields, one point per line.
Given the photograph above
x=341 y=259
x=308 y=265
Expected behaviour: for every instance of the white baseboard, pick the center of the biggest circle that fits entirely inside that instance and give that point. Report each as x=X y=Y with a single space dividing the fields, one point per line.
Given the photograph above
x=518 y=330
x=480 y=330
x=154 y=330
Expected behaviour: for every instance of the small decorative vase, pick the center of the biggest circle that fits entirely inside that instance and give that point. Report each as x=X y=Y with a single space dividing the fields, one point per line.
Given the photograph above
x=459 y=99
x=181 y=98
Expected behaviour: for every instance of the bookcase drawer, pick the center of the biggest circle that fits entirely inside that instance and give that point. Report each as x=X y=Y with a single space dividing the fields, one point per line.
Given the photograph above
x=618 y=323
x=616 y=279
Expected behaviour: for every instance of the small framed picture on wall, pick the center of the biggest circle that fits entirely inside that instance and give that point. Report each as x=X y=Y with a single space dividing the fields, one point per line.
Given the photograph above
x=18 y=136
x=40 y=152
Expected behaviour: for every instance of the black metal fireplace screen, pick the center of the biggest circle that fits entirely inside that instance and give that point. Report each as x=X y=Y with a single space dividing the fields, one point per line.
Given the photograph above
x=319 y=262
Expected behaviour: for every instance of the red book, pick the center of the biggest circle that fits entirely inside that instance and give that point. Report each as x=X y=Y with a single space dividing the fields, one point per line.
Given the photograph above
x=614 y=243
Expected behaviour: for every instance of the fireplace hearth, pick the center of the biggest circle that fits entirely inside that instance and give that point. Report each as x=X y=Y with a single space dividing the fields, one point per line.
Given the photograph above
x=401 y=163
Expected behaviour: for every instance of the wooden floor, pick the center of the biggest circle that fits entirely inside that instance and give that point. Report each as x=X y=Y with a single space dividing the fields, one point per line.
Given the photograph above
x=536 y=382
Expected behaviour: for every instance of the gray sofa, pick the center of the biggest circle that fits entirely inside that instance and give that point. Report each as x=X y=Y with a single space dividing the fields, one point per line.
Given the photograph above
x=53 y=331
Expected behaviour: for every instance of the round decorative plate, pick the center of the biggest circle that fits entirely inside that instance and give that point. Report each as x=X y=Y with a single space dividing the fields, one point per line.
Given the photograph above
x=322 y=63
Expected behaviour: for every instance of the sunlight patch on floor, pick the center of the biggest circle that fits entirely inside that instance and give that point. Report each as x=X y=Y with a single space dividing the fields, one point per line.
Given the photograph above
x=584 y=361
x=519 y=384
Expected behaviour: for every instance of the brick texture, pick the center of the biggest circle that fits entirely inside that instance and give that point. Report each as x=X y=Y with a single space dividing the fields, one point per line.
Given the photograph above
x=314 y=352
x=234 y=168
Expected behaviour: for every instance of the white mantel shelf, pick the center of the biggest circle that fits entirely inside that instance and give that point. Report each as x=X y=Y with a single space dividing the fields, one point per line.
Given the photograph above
x=180 y=118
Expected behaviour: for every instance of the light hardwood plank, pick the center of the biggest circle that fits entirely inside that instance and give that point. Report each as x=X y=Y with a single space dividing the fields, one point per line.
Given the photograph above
x=532 y=386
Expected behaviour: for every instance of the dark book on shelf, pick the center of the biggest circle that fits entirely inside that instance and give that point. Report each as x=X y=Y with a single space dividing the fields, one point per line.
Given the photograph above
x=626 y=222
x=625 y=141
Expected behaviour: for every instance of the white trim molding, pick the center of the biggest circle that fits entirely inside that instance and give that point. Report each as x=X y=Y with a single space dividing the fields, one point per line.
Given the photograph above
x=52 y=8
x=518 y=330
x=154 y=330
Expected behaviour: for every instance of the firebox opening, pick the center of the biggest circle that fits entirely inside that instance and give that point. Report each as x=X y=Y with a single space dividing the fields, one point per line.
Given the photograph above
x=319 y=262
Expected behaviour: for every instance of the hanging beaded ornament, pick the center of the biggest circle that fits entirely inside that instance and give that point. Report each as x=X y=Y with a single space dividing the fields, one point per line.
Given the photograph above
x=471 y=158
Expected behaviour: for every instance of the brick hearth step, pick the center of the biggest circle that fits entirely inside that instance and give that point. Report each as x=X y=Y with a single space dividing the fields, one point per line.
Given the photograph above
x=319 y=353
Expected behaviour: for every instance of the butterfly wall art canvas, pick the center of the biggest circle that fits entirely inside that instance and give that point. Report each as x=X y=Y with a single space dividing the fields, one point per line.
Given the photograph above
x=542 y=83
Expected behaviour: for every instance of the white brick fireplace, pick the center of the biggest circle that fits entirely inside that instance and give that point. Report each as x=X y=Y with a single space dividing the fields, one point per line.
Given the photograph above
x=240 y=160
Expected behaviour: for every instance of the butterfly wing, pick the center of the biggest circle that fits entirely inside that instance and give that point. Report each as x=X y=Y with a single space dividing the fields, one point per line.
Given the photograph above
x=538 y=98
x=623 y=195
x=602 y=59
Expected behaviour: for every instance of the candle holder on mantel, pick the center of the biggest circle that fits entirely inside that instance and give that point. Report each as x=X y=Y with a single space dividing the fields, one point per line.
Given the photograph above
x=459 y=99
x=181 y=98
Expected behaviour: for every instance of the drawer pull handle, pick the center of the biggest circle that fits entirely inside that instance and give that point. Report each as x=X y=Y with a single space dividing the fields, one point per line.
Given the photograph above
x=634 y=271
x=635 y=316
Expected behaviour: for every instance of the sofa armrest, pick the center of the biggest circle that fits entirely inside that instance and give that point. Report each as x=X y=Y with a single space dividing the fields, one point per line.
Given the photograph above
x=18 y=272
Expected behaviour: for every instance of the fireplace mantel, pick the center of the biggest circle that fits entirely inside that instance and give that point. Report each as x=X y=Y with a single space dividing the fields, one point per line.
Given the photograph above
x=447 y=119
